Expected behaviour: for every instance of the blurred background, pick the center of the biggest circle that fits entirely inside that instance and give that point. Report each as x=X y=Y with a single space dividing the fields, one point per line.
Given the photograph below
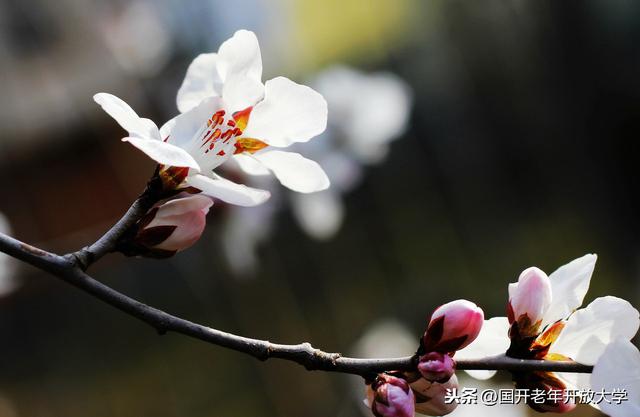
x=521 y=149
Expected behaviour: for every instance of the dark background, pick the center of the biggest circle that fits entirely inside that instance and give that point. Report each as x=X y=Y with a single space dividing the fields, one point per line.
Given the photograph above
x=522 y=150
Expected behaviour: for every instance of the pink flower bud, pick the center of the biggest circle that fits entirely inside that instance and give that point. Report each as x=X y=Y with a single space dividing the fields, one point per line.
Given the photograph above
x=436 y=366
x=168 y=228
x=453 y=326
x=529 y=299
x=392 y=397
x=430 y=396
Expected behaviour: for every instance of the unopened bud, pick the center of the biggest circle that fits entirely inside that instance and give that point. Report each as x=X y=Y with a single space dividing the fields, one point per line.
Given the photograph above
x=453 y=326
x=529 y=299
x=436 y=366
x=392 y=397
x=168 y=228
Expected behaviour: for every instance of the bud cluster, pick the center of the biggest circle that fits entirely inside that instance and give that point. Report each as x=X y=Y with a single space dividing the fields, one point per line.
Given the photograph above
x=452 y=326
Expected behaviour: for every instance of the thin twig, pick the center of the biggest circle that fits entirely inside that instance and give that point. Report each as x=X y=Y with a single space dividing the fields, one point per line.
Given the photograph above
x=303 y=353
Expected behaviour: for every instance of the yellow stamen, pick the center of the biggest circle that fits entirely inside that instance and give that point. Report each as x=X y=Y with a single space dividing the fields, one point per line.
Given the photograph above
x=249 y=145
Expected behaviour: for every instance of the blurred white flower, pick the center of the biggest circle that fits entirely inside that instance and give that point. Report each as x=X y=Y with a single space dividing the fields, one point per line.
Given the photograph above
x=386 y=338
x=138 y=38
x=228 y=112
x=366 y=113
x=245 y=228
x=320 y=214
x=8 y=266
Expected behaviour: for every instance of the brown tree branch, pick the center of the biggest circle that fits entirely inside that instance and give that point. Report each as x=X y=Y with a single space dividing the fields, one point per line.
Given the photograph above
x=71 y=270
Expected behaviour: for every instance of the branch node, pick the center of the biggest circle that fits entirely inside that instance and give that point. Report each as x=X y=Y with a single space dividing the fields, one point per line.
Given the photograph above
x=265 y=353
x=81 y=258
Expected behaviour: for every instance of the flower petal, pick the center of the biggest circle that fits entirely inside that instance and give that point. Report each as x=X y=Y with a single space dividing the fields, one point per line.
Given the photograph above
x=164 y=153
x=529 y=299
x=319 y=214
x=249 y=165
x=240 y=92
x=377 y=104
x=619 y=368
x=569 y=285
x=178 y=207
x=202 y=80
x=165 y=130
x=589 y=330
x=295 y=171
x=240 y=55
x=289 y=113
x=492 y=340
x=187 y=215
x=181 y=129
x=575 y=381
x=228 y=191
x=126 y=117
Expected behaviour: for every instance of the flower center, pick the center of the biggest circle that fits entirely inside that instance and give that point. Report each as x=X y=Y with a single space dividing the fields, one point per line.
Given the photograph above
x=536 y=346
x=219 y=137
x=525 y=346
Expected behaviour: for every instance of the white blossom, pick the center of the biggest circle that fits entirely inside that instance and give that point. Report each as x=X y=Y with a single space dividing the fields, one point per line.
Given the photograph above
x=584 y=334
x=228 y=112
